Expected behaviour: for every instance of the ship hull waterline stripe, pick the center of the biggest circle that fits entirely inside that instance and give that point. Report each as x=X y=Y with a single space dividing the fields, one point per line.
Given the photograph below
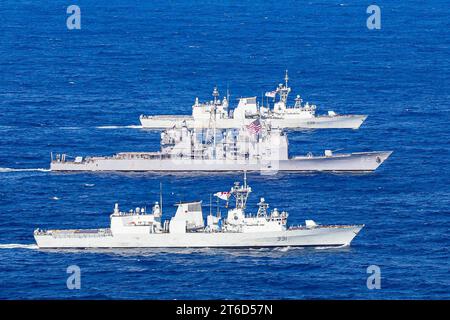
x=202 y=247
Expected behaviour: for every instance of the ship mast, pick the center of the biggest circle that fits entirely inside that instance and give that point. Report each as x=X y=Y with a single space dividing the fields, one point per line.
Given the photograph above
x=210 y=204
x=228 y=97
x=284 y=90
x=216 y=101
x=241 y=193
x=262 y=210
x=160 y=198
x=245 y=178
x=286 y=79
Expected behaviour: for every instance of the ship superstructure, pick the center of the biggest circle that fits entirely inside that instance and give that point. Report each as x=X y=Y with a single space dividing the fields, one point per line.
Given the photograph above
x=217 y=113
x=139 y=228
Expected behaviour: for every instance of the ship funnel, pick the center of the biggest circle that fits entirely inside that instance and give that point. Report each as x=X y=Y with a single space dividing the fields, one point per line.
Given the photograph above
x=116 y=208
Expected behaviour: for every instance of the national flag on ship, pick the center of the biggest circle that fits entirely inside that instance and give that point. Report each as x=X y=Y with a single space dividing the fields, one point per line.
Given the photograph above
x=254 y=127
x=223 y=195
x=271 y=94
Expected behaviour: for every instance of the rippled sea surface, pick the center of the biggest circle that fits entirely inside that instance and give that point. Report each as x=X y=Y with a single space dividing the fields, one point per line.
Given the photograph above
x=82 y=91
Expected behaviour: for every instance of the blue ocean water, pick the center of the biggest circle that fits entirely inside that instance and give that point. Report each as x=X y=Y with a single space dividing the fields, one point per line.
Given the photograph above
x=58 y=87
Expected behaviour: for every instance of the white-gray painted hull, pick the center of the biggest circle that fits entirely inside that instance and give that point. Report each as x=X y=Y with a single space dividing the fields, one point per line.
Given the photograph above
x=362 y=161
x=317 y=237
x=319 y=122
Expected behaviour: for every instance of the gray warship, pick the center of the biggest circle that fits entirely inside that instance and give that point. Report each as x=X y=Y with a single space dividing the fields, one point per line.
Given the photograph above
x=300 y=116
x=138 y=228
x=254 y=147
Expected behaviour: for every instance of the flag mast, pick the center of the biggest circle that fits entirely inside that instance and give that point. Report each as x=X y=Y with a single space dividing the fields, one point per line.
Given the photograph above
x=160 y=197
x=215 y=95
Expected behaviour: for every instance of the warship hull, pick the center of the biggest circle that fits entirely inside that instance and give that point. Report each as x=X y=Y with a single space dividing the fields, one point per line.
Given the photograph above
x=354 y=162
x=319 y=122
x=323 y=236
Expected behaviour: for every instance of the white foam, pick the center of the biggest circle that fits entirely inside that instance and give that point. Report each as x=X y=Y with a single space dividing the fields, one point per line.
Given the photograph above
x=24 y=170
x=328 y=248
x=120 y=127
x=18 y=246
x=70 y=128
x=104 y=127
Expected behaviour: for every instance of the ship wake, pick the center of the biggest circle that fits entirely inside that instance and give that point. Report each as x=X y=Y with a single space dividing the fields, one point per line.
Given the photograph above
x=18 y=246
x=24 y=170
x=103 y=127
x=120 y=127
